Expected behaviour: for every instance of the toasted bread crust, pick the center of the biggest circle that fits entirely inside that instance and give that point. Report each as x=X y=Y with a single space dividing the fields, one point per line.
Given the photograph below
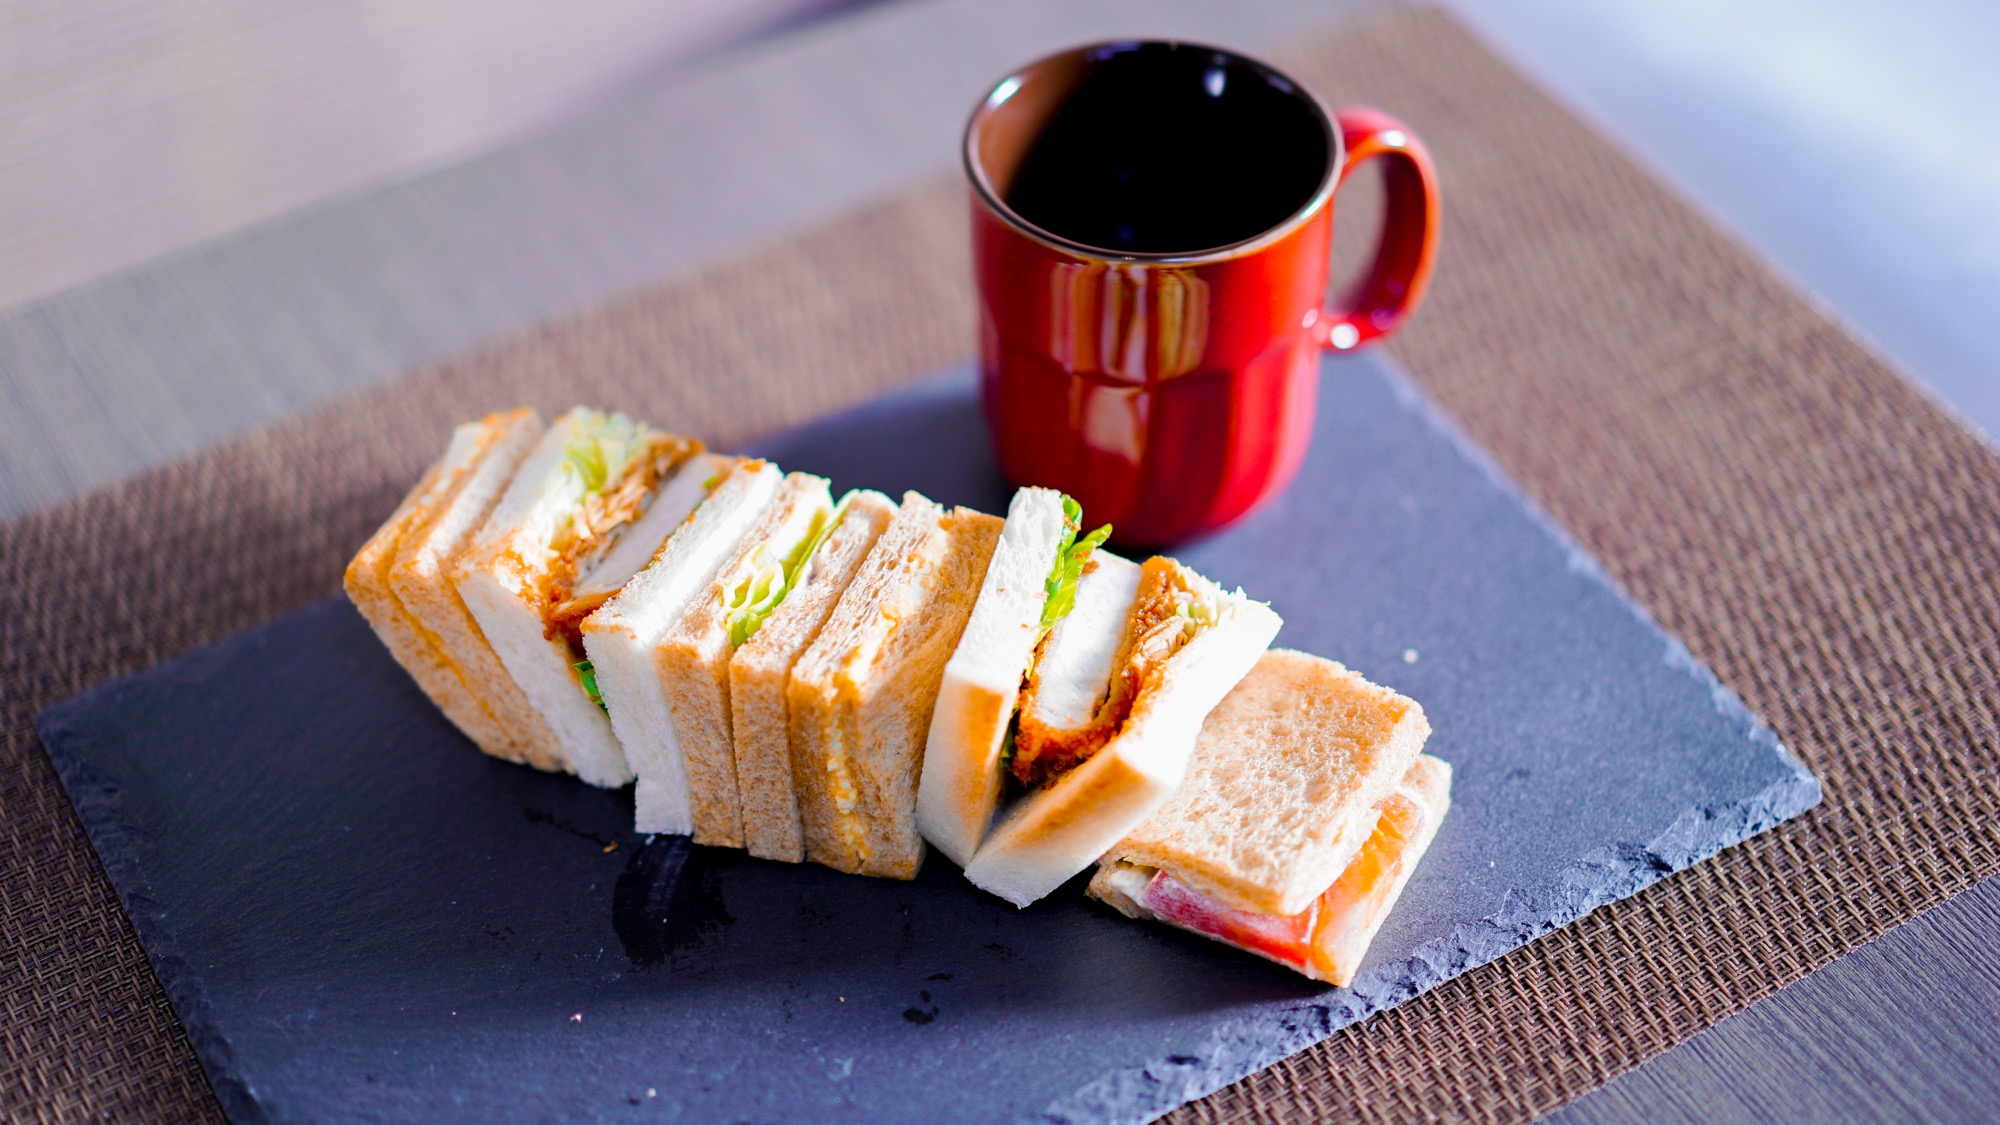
x=366 y=581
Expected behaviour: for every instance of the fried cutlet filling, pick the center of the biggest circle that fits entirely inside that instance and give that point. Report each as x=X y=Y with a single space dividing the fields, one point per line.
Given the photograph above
x=594 y=528
x=1172 y=606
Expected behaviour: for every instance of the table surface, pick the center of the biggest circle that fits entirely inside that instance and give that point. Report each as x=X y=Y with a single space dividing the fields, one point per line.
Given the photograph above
x=1758 y=116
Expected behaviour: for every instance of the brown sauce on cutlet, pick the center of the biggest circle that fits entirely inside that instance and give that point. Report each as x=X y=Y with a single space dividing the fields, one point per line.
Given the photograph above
x=594 y=530
x=1154 y=631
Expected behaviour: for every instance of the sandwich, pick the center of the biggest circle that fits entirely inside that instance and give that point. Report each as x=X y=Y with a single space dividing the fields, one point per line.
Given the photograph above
x=622 y=636
x=588 y=506
x=1080 y=683
x=840 y=682
x=693 y=657
x=1305 y=810
x=760 y=671
x=860 y=696
x=400 y=581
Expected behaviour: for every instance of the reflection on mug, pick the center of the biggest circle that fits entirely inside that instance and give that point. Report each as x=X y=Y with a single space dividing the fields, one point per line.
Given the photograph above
x=1112 y=420
x=1134 y=322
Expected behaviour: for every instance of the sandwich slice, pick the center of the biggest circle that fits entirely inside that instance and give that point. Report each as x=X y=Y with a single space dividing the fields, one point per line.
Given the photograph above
x=861 y=695
x=694 y=655
x=622 y=636
x=761 y=668
x=399 y=580
x=1307 y=806
x=962 y=771
x=1083 y=695
x=598 y=492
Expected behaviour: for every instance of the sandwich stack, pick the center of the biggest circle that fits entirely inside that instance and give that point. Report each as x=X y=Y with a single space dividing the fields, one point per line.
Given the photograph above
x=844 y=681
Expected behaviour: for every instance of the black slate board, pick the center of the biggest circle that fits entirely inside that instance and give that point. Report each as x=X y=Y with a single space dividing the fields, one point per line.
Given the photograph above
x=357 y=916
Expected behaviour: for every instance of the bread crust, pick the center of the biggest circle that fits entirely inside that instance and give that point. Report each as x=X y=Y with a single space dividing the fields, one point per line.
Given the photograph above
x=760 y=670
x=449 y=674
x=622 y=637
x=961 y=781
x=1286 y=768
x=861 y=696
x=693 y=660
x=1427 y=784
x=420 y=576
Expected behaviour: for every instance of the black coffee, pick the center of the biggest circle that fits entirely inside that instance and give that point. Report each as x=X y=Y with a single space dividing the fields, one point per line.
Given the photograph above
x=1166 y=149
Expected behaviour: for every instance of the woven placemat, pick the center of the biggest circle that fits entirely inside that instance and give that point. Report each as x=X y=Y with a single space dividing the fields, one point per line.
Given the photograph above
x=1820 y=533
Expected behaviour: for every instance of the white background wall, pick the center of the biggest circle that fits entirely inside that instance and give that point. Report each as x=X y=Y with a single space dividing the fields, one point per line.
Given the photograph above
x=133 y=128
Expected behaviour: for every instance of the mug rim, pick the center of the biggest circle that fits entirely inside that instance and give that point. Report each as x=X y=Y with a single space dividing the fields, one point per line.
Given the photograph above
x=1012 y=81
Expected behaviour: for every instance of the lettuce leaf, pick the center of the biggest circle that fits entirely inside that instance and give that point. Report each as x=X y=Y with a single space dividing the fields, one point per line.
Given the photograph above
x=588 y=673
x=604 y=446
x=750 y=601
x=1007 y=744
x=1071 y=555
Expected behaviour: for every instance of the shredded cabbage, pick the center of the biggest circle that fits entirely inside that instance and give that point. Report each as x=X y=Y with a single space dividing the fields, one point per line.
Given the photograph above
x=750 y=600
x=1202 y=609
x=602 y=449
x=1071 y=555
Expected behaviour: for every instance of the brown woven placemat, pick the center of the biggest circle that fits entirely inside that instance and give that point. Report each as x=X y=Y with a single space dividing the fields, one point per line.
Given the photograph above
x=1818 y=532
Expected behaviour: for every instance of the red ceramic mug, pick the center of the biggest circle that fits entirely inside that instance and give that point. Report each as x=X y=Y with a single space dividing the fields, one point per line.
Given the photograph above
x=1152 y=229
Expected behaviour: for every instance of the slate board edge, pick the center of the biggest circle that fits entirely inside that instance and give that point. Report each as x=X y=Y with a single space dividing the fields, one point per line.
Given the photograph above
x=1585 y=564
x=96 y=801
x=1243 y=1047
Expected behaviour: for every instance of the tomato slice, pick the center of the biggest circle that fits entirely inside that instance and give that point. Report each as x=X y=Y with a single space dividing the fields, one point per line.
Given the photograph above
x=1326 y=940
x=1352 y=909
x=1287 y=940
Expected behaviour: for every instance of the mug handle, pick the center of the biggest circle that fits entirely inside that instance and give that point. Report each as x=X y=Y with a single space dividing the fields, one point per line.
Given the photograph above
x=1395 y=283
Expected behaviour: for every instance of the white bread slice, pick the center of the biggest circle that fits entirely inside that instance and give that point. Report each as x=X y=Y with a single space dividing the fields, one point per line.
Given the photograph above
x=761 y=669
x=694 y=655
x=678 y=497
x=621 y=638
x=504 y=580
x=1276 y=800
x=860 y=697
x=1062 y=827
x=962 y=771
x=1337 y=927
x=450 y=490
x=1073 y=672
x=421 y=577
